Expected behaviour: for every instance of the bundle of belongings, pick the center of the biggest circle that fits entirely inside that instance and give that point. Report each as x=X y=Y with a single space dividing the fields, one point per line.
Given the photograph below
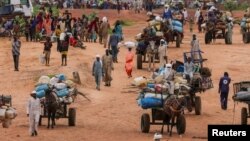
x=177 y=25
x=166 y=82
x=154 y=94
x=155 y=99
x=7 y=113
x=64 y=88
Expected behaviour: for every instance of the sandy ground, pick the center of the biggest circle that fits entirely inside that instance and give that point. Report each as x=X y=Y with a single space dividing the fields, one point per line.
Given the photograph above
x=113 y=113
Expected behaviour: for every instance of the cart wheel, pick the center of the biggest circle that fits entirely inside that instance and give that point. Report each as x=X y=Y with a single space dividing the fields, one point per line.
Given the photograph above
x=207 y=36
x=246 y=38
x=72 y=117
x=139 y=61
x=189 y=104
x=226 y=38
x=197 y=105
x=181 y=124
x=145 y=123
x=40 y=121
x=248 y=35
x=244 y=116
x=178 y=41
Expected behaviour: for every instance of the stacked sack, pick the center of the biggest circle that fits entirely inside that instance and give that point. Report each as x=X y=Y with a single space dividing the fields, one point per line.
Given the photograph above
x=63 y=87
x=153 y=95
x=177 y=25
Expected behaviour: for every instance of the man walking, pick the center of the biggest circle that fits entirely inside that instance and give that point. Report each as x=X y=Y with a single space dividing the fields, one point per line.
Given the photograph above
x=16 y=45
x=224 y=90
x=113 y=42
x=104 y=28
x=107 y=67
x=33 y=112
x=229 y=28
x=47 y=50
x=97 y=71
x=195 y=48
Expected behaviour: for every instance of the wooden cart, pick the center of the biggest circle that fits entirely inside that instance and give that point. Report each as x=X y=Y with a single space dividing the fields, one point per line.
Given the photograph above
x=157 y=117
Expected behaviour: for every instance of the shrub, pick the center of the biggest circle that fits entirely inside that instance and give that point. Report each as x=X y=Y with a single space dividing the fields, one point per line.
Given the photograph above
x=232 y=5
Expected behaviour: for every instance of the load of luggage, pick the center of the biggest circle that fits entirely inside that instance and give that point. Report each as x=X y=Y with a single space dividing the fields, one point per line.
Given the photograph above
x=64 y=88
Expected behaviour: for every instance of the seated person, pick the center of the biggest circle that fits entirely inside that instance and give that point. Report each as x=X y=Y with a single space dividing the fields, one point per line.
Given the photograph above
x=169 y=77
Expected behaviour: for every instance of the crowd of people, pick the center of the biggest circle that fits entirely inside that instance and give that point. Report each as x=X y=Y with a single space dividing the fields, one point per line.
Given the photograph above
x=69 y=31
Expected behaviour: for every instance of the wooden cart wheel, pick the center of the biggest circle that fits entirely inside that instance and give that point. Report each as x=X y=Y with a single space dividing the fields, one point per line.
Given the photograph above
x=145 y=123
x=207 y=38
x=72 y=117
x=189 y=104
x=246 y=38
x=139 y=61
x=226 y=38
x=181 y=124
x=178 y=40
x=244 y=116
x=197 y=105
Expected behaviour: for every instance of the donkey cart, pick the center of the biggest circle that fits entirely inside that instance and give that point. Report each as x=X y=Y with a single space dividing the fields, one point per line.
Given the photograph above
x=200 y=83
x=216 y=31
x=242 y=94
x=158 y=117
x=62 y=110
x=169 y=111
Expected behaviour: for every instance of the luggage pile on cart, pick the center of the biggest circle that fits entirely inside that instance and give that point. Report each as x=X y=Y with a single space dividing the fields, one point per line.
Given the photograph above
x=64 y=88
x=7 y=112
x=66 y=93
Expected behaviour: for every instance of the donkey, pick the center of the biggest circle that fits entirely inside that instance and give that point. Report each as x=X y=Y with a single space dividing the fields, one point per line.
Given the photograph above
x=151 y=52
x=52 y=104
x=173 y=107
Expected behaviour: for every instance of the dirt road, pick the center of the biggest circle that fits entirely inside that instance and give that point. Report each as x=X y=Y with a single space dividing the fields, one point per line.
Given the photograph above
x=112 y=114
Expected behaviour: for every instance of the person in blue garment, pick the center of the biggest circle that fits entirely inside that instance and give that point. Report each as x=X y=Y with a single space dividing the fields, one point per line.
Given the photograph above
x=224 y=90
x=118 y=30
x=167 y=14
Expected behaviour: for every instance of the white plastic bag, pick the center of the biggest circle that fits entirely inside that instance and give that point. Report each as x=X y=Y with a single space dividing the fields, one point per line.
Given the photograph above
x=53 y=81
x=130 y=44
x=42 y=58
x=44 y=80
x=60 y=86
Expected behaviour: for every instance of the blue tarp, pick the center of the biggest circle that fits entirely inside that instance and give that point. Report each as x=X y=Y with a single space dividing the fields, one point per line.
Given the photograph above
x=63 y=92
x=150 y=102
x=44 y=87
